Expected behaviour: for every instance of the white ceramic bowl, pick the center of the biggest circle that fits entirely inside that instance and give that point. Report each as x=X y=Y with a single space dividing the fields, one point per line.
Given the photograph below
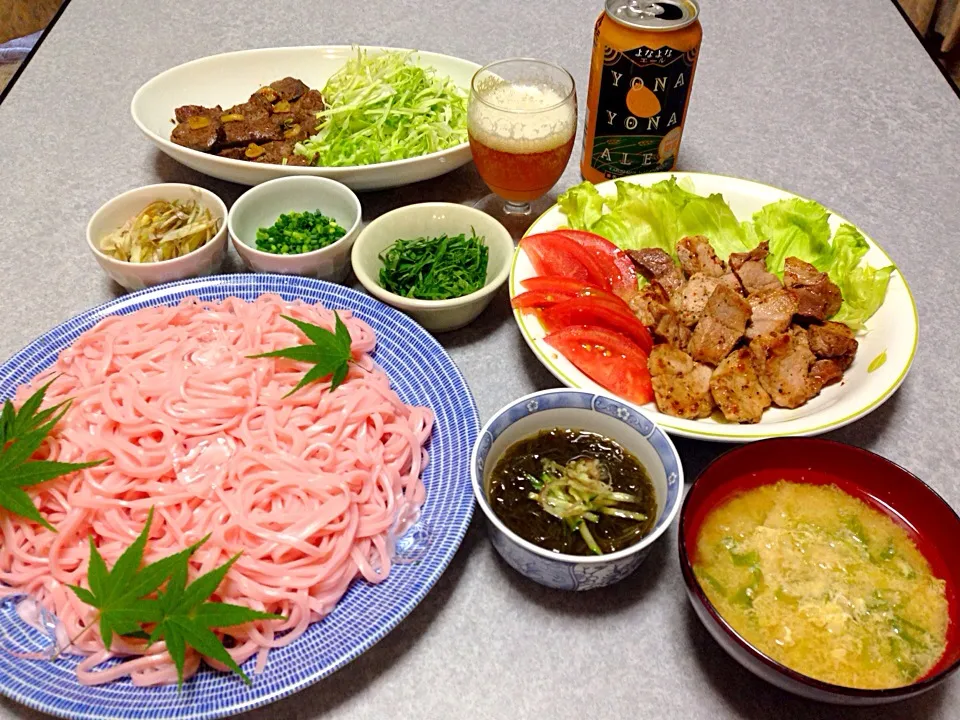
x=580 y=410
x=430 y=220
x=205 y=260
x=231 y=78
x=260 y=206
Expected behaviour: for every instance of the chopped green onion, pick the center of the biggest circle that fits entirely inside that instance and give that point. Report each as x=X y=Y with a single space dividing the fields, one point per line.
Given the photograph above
x=437 y=268
x=576 y=494
x=299 y=232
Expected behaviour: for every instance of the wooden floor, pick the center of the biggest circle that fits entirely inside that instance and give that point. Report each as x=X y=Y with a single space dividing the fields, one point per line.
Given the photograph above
x=6 y=72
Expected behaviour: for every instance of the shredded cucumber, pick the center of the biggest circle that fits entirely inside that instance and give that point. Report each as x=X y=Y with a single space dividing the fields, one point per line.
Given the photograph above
x=385 y=107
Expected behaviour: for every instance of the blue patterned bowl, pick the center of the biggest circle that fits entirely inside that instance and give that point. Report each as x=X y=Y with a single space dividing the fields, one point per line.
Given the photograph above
x=609 y=417
x=421 y=372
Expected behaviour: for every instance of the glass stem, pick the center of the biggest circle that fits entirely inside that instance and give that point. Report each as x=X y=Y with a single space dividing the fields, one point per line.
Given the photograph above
x=514 y=208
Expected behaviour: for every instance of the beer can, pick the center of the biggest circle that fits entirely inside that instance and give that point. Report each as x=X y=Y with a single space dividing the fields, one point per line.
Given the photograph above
x=641 y=72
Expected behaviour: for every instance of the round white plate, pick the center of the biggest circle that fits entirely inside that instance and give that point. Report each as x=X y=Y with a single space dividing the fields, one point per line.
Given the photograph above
x=893 y=330
x=231 y=78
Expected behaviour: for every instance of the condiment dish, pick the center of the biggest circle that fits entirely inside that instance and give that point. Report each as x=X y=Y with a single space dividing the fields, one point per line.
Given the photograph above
x=928 y=519
x=431 y=220
x=261 y=205
x=601 y=414
x=205 y=260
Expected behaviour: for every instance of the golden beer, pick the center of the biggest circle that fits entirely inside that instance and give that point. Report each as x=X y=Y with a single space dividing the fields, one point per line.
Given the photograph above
x=521 y=120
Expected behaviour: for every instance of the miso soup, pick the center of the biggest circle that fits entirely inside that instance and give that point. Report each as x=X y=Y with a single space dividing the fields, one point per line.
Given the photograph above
x=824 y=584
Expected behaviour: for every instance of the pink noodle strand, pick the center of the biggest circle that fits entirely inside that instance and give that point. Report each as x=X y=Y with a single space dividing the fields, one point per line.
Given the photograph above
x=309 y=487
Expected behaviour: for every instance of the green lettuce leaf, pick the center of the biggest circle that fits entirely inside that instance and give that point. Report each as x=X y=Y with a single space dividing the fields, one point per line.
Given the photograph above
x=582 y=205
x=643 y=217
x=795 y=228
x=847 y=249
x=713 y=218
x=864 y=289
x=658 y=215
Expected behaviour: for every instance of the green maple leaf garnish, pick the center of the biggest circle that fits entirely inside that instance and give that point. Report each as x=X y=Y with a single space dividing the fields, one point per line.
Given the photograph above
x=186 y=617
x=121 y=594
x=21 y=434
x=179 y=614
x=329 y=353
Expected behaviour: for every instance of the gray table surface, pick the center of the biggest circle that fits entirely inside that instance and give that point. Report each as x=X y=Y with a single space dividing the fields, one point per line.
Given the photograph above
x=832 y=100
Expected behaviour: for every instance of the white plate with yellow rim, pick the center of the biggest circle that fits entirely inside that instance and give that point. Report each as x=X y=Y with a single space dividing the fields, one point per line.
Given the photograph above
x=883 y=359
x=231 y=78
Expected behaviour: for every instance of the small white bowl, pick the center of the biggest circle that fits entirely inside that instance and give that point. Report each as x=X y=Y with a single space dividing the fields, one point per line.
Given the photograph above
x=205 y=260
x=581 y=410
x=431 y=220
x=261 y=205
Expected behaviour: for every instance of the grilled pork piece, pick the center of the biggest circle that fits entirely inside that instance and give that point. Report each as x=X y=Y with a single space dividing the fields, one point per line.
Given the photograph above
x=307 y=107
x=655 y=264
x=234 y=153
x=773 y=311
x=730 y=279
x=189 y=111
x=751 y=269
x=818 y=296
x=833 y=340
x=681 y=386
x=653 y=308
x=697 y=256
x=650 y=303
x=250 y=122
x=669 y=329
x=826 y=372
x=198 y=128
x=694 y=296
x=737 y=389
x=783 y=363
x=721 y=326
x=277 y=152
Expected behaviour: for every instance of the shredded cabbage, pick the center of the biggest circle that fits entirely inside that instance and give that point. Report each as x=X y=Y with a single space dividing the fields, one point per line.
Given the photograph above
x=385 y=107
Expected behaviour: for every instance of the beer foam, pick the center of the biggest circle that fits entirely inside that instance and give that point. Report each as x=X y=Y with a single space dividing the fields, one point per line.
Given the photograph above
x=525 y=130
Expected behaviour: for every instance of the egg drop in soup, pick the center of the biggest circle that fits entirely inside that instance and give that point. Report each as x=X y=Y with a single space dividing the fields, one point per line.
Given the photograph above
x=824 y=584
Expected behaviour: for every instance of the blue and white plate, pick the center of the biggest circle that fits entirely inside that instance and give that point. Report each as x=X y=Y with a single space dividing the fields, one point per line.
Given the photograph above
x=422 y=373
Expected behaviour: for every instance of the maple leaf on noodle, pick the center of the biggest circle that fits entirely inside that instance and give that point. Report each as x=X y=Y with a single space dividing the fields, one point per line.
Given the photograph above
x=131 y=602
x=329 y=353
x=22 y=432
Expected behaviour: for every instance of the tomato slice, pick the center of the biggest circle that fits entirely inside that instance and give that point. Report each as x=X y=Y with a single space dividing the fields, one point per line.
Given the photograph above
x=555 y=283
x=607 y=297
x=607 y=358
x=547 y=263
x=538 y=299
x=554 y=254
x=600 y=313
x=626 y=283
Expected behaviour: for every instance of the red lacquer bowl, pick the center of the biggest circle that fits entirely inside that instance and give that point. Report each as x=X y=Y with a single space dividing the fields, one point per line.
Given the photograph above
x=933 y=525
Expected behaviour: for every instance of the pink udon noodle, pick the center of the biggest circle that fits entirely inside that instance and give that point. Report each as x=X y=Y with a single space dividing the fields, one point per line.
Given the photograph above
x=311 y=488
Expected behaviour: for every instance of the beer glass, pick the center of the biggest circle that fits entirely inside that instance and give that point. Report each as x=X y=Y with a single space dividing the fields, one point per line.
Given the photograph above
x=521 y=119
